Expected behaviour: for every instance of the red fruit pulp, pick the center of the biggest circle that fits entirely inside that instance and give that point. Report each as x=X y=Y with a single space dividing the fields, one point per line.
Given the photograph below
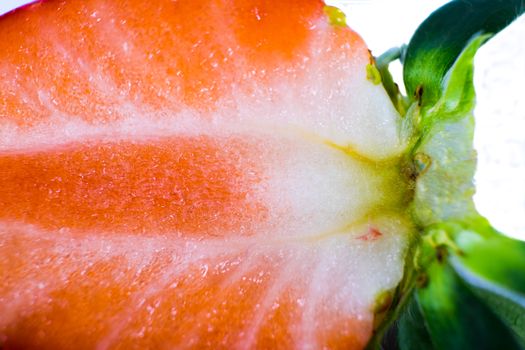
x=192 y=174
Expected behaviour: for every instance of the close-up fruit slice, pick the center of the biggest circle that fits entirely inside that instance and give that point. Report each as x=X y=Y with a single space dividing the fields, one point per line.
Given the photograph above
x=193 y=173
x=241 y=174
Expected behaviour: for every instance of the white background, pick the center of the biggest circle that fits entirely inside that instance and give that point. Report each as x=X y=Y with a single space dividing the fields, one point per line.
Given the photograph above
x=500 y=112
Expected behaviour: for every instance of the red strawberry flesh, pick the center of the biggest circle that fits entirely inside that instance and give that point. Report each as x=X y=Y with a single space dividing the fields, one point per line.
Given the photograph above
x=192 y=174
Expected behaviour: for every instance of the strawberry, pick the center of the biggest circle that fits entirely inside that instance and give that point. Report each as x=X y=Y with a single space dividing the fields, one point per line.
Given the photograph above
x=231 y=174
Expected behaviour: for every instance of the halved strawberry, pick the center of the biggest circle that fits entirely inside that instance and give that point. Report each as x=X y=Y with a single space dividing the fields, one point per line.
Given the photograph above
x=194 y=174
x=232 y=174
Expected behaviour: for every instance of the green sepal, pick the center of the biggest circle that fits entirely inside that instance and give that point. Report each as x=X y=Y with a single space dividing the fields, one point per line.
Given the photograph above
x=458 y=97
x=469 y=271
x=412 y=329
x=456 y=318
x=441 y=38
x=494 y=268
x=468 y=292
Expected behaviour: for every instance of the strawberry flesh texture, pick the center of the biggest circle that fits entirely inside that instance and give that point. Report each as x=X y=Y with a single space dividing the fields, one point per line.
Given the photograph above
x=169 y=177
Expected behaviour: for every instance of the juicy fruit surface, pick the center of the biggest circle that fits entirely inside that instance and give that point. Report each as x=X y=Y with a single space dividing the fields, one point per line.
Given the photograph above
x=192 y=174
